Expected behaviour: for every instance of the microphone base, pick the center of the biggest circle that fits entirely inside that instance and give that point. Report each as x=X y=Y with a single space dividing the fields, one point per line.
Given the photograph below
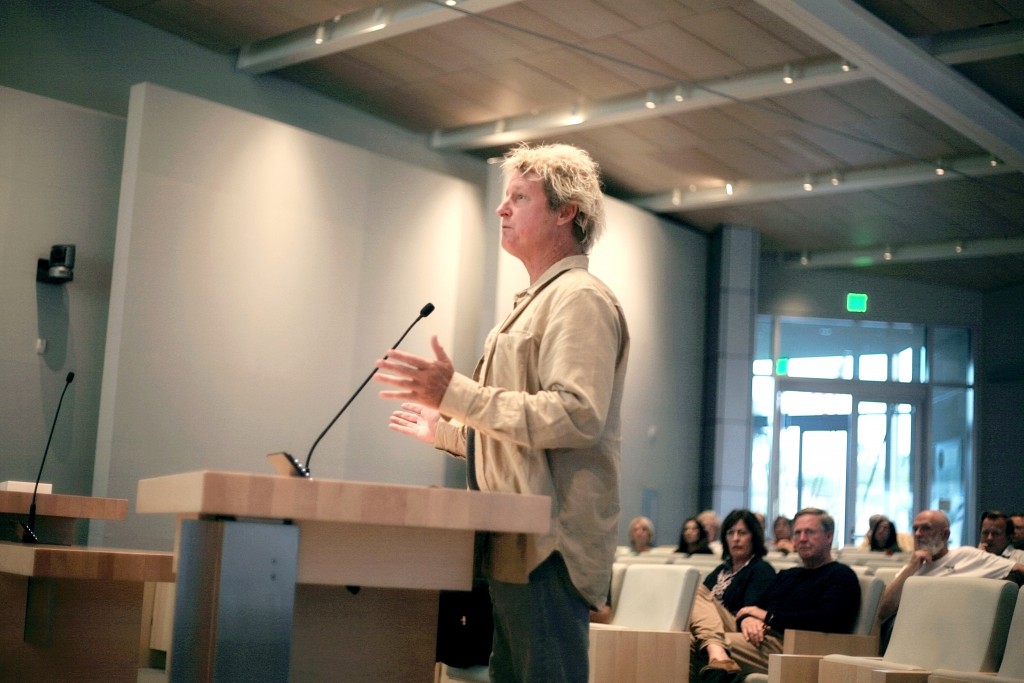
x=287 y=465
x=27 y=534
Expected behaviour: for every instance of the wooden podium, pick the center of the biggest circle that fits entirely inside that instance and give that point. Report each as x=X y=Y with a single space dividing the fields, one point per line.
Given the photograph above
x=282 y=578
x=72 y=612
x=57 y=515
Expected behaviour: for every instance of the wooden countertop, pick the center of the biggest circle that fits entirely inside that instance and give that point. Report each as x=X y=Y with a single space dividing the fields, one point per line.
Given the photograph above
x=82 y=562
x=331 y=500
x=61 y=505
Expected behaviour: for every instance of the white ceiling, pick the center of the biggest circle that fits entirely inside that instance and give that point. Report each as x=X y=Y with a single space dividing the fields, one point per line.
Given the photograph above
x=679 y=98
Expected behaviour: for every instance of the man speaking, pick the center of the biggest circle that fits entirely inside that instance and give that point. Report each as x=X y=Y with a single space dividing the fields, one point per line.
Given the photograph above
x=539 y=416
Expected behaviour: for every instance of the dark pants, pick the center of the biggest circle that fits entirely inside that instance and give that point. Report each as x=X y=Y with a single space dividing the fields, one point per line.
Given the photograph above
x=541 y=629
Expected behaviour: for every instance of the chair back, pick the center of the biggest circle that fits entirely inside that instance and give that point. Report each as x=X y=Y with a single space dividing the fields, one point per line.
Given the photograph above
x=656 y=597
x=618 y=574
x=887 y=574
x=871 y=589
x=646 y=558
x=1013 y=656
x=953 y=622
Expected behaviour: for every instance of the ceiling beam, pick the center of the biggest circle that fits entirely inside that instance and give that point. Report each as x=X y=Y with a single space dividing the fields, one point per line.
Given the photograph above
x=954 y=47
x=344 y=32
x=849 y=30
x=676 y=98
x=849 y=180
x=907 y=253
x=975 y=44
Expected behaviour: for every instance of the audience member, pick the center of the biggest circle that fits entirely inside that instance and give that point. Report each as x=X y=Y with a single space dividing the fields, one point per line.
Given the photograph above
x=932 y=556
x=711 y=523
x=904 y=541
x=1018 y=530
x=641 y=535
x=822 y=595
x=882 y=536
x=782 y=530
x=997 y=529
x=743 y=575
x=693 y=539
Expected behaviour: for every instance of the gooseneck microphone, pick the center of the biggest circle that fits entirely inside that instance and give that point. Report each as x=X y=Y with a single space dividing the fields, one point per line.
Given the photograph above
x=424 y=312
x=29 y=528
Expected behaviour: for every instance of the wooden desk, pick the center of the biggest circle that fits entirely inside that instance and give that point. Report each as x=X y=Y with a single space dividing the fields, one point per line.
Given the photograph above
x=56 y=514
x=74 y=613
x=316 y=576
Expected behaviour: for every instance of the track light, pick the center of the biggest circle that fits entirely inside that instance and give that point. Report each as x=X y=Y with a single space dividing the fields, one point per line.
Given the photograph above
x=808 y=183
x=650 y=102
x=804 y=259
x=728 y=189
x=958 y=248
x=845 y=66
x=834 y=179
x=678 y=95
x=575 y=116
x=677 y=197
x=318 y=37
x=887 y=254
x=939 y=168
x=787 y=75
x=379 y=21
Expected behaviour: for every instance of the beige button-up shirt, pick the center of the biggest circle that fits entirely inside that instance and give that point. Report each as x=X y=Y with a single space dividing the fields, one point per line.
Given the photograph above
x=544 y=402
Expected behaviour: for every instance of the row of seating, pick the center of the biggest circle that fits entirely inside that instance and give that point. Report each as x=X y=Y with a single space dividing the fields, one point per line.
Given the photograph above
x=948 y=630
x=651 y=610
x=885 y=570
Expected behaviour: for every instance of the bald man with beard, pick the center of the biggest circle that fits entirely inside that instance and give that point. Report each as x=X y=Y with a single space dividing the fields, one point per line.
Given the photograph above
x=932 y=556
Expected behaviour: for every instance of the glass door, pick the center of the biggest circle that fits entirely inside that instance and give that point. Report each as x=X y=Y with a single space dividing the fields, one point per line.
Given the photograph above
x=854 y=454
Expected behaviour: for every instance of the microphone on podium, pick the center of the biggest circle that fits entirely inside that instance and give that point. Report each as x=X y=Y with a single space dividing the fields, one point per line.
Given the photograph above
x=286 y=463
x=28 y=529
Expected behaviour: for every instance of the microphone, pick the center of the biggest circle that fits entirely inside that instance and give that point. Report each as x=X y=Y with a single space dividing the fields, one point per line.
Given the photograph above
x=287 y=460
x=29 y=529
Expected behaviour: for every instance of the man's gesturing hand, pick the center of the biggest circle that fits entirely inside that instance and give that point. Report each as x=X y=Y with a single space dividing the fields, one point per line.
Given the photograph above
x=417 y=379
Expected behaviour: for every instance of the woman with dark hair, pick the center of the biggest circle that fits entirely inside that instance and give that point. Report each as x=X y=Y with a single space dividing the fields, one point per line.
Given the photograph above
x=743 y=574
x=739 y=581
x=782 y=528
x=693 y=539
x=882 y=536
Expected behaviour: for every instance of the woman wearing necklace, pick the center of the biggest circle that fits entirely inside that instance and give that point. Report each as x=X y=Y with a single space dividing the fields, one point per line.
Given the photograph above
x=741 y=578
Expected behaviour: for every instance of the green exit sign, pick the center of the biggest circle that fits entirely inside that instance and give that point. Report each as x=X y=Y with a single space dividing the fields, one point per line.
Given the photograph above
x=856 y=303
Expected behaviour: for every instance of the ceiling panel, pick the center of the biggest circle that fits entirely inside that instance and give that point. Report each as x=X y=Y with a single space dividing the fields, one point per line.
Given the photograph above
x=531 y=57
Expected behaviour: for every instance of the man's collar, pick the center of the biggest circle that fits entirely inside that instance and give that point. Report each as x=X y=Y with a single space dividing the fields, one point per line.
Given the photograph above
x=556 y=269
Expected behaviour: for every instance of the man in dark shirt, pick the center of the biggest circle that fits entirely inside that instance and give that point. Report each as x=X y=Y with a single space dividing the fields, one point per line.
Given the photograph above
x=823 y=595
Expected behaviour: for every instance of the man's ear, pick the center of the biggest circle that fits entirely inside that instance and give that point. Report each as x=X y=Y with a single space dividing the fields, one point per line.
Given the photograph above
x=567 y=212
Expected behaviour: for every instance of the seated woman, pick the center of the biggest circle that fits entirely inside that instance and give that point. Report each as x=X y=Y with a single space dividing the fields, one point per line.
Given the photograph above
x=883 y=538
x=693 y=539
x=641 y=535
x=782 y=529
x=739 y=581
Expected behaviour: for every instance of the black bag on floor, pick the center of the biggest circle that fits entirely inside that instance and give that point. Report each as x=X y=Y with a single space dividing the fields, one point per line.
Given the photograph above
x=465 y=626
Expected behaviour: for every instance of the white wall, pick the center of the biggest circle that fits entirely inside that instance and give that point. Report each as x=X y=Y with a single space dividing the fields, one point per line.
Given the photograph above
x=60 y=168
x=258 y=273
